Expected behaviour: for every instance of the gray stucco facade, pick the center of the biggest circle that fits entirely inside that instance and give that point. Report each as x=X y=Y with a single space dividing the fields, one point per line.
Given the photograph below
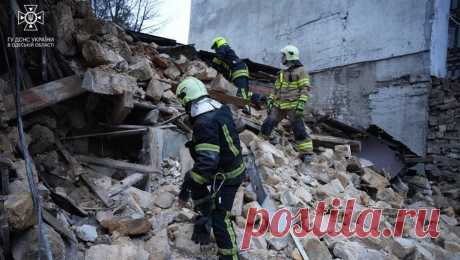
x=370 y=60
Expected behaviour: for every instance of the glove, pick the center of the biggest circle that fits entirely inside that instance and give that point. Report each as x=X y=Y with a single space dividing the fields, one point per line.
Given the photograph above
x=299 y=109
x=269 y=105
x=202 y=231
x=184 y=194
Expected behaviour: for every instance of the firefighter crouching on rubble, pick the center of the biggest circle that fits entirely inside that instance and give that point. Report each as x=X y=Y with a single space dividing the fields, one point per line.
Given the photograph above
x=232 y=68
x=288 y=98
x=216 y=150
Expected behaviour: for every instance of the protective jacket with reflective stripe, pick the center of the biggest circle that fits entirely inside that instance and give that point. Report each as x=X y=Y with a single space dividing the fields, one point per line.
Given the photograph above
x=292 y=85
x=229 y=64
x=215 y=146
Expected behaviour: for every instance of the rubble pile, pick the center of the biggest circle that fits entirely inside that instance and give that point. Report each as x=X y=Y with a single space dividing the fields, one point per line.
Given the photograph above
x=109 y=162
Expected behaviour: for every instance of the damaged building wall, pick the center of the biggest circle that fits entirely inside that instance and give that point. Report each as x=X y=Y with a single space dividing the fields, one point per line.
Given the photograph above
x=329 y=33
x=365 y=71
x=391 y=94
x=443 y=142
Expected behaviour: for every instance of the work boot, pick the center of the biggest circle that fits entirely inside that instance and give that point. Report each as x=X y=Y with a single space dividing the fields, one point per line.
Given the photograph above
x=306 y=158
x=246 y=110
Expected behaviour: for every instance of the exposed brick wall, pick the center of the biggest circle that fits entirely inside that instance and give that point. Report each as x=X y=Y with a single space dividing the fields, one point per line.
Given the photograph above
x=443 y=143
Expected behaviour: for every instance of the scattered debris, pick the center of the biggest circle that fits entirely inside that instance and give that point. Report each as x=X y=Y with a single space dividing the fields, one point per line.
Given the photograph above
x=108 y=144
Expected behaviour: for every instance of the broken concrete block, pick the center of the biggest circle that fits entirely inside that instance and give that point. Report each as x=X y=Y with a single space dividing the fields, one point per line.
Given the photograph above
x=141 y=69
x=289 y=199
x=20 y=211
x=222 y=85
x=277 y=243
x=265 y=159
x=108 y=82
x=200 y=70
x=86 y=233
x=126 y=226
x=119 y=46
x=247 y=137
x=252 y=204
x=172 y=72
x=169 y=96
x=267 y=148
x=316 y=250
x=401 y=247
x=374 y=180
x=343 y=150
x=144 y=199
x=158 y=246
x=121 y=252
x=42 y=139
x=303 y=194
x=237 y=209
x=164 y=200
x=65 y=28
x=295 y=254
x=181 y=62
x=351 y=250
x=331 y=189
x=185 y=215
x=391 y=197
x=25 y=246
x=96 y=54
x=152 y=117
x=155 y=89
x=257 y=243
x=182 y=235
x=162 y=218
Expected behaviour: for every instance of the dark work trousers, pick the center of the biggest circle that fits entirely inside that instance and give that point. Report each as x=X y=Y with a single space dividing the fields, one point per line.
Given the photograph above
x=297 y=125
x=242 y=84
x=221 y=222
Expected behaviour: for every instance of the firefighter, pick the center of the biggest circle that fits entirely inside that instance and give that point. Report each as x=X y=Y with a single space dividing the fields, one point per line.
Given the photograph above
x=288 y=99
x=234 y=70
x=216 y=150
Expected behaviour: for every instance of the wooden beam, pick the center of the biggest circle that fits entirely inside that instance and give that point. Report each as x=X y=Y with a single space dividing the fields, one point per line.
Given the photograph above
x=107 y=134
x=331 y=142
x=121 y=165
x=45 y=95
x=100 y=193
x=126 y=183
x=227 y=99
x=123 y=105
x=152 y=152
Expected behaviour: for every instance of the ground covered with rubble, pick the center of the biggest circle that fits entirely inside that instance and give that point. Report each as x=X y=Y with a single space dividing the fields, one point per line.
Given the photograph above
x=109 y=161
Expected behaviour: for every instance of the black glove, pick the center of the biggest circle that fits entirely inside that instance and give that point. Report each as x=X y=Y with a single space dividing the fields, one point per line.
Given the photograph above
x=202 y=231
x=299 y=109
x=184 y=193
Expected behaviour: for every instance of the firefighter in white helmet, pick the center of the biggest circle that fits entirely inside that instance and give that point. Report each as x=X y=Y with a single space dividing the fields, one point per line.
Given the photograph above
x=288 y=99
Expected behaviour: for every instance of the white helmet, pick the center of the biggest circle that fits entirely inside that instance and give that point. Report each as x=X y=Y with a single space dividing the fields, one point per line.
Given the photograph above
x=190 y=89
x=291 y=53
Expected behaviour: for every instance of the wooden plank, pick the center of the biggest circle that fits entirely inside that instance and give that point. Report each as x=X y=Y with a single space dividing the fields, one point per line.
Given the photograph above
x=121 y=165
x=123 y=105
x=125 y=183
x=45 y=95
x=152 y=152
x=58 y=226
x=75 y=167
x=331 y=142
x=227 y=99
x=106 y=134
x=100 y=193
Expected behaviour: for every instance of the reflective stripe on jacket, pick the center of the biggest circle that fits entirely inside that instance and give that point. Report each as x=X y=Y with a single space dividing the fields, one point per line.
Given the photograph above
x=216 y=146
x=291 y=86
x=229 y=64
